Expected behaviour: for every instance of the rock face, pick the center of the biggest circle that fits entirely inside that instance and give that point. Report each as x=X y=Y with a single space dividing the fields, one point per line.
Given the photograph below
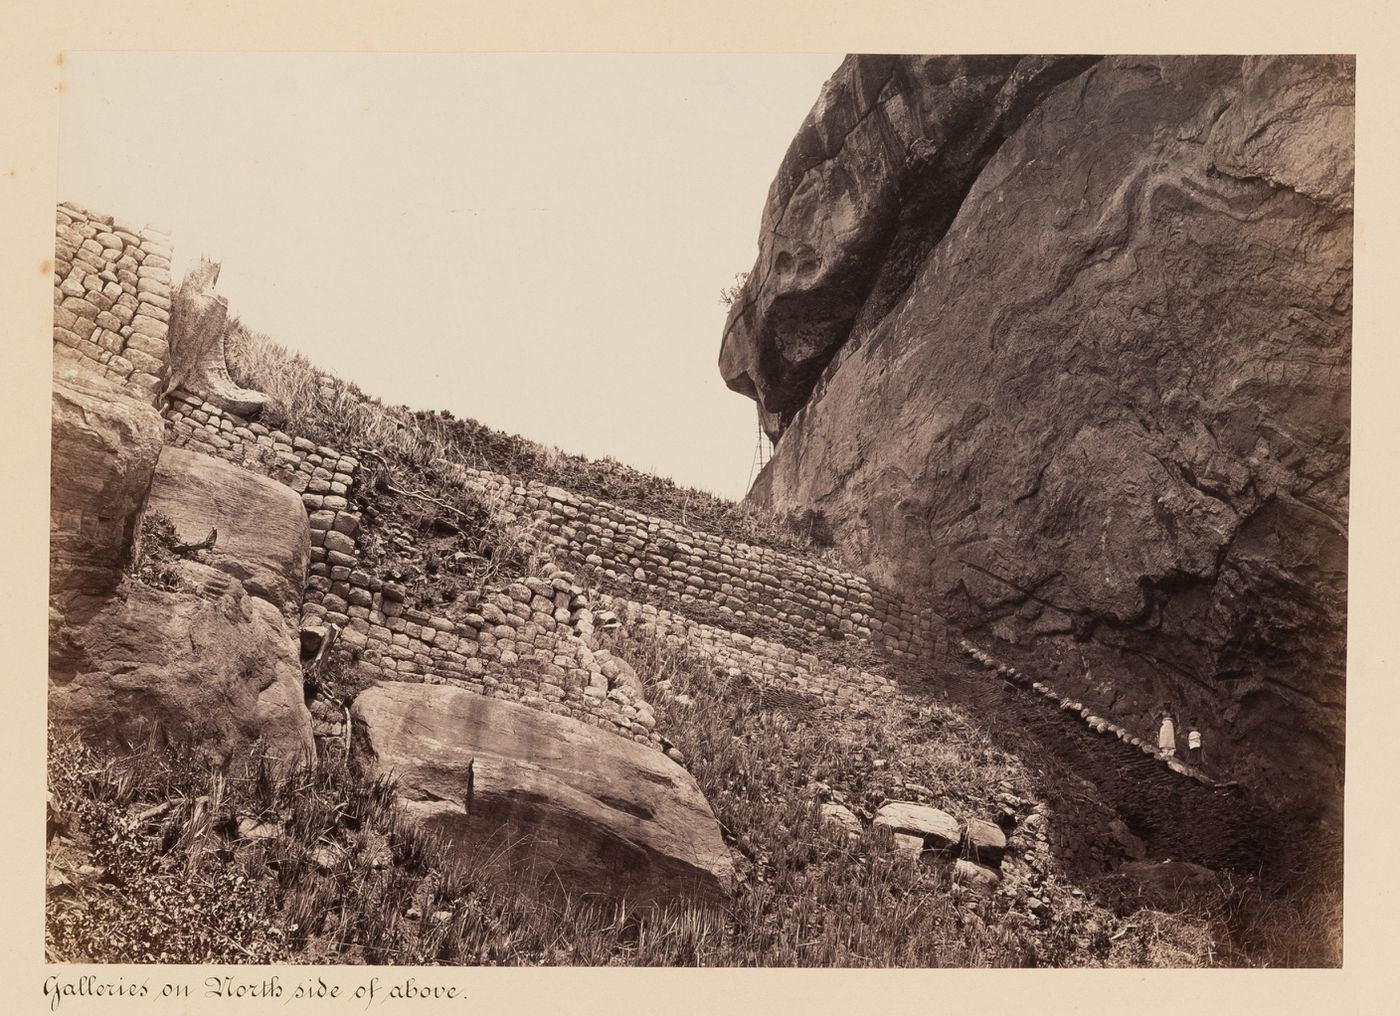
x=216 y=666
x=212 y=661
x=606 y=814
x=104 y=447
x=871 y=182
x=264 y=539
x=1107 y=423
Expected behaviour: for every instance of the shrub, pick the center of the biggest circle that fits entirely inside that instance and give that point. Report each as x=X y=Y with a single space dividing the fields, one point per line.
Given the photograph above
x=153 y=562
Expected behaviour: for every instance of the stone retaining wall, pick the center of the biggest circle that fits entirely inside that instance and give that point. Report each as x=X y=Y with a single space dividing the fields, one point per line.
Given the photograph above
x=322 y=475
x=528 y=642
x=627 y=551
x=532 y=641
x=632 y=552
x=112 y=297
x=759 y=660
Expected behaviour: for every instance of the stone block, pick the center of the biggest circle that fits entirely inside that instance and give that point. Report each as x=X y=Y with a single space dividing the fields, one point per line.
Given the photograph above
x=936 y=829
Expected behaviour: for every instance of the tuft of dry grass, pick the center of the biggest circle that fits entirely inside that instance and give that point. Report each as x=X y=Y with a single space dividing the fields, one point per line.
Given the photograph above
x=156 y=553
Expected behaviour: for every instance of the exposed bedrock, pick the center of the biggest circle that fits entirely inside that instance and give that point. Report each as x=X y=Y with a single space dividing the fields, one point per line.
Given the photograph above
x=263 y=539
x=1108 y=423
x=602 y=813
x=207 y=663
x=868 y=186
x=104 y=445
x=212 y=660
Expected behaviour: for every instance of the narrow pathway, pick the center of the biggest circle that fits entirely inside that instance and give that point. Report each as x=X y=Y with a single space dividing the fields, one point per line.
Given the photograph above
x=1098 y=773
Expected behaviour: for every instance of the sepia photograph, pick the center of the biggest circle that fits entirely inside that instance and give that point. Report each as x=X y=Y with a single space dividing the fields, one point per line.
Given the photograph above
x=762 y=510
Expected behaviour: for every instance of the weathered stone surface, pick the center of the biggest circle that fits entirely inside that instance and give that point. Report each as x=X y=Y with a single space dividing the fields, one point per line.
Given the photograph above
x=983 y=843
x=104 y=446
x=975 y=876
x=1108 y=422
x=606 y=814
x=872 y=179
x=216 y=666
x=937 y=829
x=264 y=539
x=198 y=331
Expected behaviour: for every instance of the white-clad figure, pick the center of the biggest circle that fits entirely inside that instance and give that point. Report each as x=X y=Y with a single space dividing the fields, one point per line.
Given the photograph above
x=1166 y=737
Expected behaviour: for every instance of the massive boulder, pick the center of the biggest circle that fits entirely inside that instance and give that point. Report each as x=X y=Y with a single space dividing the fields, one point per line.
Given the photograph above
x=604 y=814
x=1107 y=423
x=264 y=539
x=872 y=180
x=209 y=661
x=205 y=663
x=104 y=446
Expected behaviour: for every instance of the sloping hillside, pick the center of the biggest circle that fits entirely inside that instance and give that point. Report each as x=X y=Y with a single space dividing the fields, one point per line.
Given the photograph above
x=339 y=682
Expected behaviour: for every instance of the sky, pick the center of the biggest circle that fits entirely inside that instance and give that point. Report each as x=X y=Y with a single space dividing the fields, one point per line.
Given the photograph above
x=535 y=241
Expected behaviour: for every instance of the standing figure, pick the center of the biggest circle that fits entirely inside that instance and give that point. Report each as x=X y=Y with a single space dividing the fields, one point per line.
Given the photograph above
x=1194 y=754
x=1166 y=736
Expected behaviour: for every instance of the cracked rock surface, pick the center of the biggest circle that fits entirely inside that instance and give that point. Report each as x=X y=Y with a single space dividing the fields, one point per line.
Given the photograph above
x=1107 y=423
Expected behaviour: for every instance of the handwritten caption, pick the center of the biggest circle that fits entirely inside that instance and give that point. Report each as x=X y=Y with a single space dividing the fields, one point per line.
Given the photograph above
x=372 y=991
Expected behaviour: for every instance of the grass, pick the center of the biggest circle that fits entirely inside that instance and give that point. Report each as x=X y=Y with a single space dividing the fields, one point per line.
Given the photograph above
x=339 y=878
x=765 y=757
x=253 y=865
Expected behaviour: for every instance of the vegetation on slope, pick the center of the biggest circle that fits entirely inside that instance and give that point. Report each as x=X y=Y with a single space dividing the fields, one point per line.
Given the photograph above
x=159 y=856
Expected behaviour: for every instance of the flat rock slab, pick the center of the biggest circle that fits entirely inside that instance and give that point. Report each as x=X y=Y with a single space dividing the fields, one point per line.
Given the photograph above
x=936 y=829
x=605 y=814
x=264 y=537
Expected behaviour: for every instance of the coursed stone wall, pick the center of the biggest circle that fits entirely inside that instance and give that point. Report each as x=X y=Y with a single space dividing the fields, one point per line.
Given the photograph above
x=112 y=298
x=760 y=660
x=632 y=552
x=626 y=550
x=530 y=641
x=323 y=476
